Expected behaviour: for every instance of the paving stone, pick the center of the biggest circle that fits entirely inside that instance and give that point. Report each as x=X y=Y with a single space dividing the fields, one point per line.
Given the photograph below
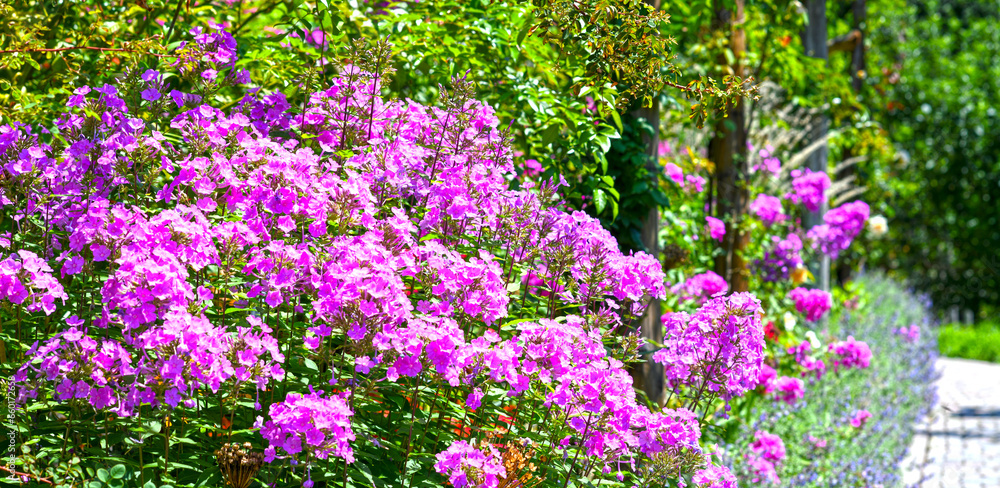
x=958 y=446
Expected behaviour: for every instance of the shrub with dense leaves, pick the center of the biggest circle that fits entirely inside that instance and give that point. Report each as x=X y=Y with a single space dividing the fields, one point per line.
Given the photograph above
x=351 y=286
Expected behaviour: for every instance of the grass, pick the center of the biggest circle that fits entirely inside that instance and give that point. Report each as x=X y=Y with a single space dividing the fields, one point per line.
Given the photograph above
x=980 y=341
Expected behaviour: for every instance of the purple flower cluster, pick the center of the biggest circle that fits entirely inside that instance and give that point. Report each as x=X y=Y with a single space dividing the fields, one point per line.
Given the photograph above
x=767 y=451
x=465 y=465
x=316 y=425
x=716 y=228
x=26 y=279
x=714 y=477
x=809 y=188
x=701 y=287
x=860 y=418
x=173 y=361
x=779 y=261
x=807 y=362
x=768 y=161
x=812 y=302
x=691 y=183
x=840 y=226
x=910 y=334
x=212 y=52
x=719 y=348
x=787 y=389
x=767 y=209
x=766 y=377
x=851 y=354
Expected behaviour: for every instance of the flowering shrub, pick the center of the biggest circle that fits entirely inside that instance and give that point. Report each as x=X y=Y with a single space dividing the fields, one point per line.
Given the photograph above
x=809 y=188
x=353 y=288
x=840 y=226
x=813 y=303
x=716 y=351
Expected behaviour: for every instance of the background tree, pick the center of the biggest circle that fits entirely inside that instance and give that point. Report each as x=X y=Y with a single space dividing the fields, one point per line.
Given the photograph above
x=936 y=88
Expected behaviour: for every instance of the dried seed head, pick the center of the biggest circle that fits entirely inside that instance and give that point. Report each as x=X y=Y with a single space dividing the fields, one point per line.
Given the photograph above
x=239 y=464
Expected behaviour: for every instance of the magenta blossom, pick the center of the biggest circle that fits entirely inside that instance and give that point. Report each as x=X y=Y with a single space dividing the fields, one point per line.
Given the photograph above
x=719 y=348
x=701 y=287
x=767 y=209
x=910 y=334
x=851 y=354
x=860 y=418
x=787 y=389
x=813 y=303
x=767 y=451
x=465 y=465
x=675 y=173
x=716 y=228
x=809 y=188
x=840 y=226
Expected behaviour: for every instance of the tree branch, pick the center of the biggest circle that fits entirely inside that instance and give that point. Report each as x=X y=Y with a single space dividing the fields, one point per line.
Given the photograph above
x=86 y=48
x=845 y=42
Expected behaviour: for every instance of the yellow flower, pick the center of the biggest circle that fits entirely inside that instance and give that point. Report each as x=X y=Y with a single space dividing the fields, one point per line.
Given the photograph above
x=799 y=275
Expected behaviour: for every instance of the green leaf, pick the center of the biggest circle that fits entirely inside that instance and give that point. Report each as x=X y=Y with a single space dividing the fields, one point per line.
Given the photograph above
x=618 y=120
x=600 y=200
x=102 y=474
x=528 y=22
x=118 y=471
x=311 y=364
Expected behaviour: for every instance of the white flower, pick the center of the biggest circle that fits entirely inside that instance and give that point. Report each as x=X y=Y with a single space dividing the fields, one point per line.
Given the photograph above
x=878 y=225
x=789 y=321
x=813 y=340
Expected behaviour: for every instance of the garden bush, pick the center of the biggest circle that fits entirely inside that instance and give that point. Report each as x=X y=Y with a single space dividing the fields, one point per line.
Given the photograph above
x=980 y=341
x=352 y=290
x=360 y=290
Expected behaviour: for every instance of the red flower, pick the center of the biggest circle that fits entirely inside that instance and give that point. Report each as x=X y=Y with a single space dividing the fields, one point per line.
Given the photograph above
x=771 y=332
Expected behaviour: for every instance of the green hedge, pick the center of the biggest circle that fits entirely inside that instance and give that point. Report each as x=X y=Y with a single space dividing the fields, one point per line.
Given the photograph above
x=980 y=341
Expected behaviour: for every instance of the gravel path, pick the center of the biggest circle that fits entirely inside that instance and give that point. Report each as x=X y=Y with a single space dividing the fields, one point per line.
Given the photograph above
x=959 y=444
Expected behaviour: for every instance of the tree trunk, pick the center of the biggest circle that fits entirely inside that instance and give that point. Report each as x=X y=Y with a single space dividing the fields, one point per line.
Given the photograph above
x=728 y=149
x=814 y=38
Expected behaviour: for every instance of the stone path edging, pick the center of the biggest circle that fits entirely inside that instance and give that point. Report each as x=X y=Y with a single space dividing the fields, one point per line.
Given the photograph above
x=958 y=445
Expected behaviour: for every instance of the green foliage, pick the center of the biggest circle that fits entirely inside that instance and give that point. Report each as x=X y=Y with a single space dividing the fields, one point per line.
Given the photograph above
x=46 y=47
x=981 y=341
x=939 y=91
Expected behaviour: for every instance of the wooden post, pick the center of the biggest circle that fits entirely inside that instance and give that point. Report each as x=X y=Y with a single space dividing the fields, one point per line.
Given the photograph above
x=814 y=39
x=649 y=375
x=728 y=149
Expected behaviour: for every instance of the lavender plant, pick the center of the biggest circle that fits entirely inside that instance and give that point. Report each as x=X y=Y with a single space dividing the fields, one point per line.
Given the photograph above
x=853 y=425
